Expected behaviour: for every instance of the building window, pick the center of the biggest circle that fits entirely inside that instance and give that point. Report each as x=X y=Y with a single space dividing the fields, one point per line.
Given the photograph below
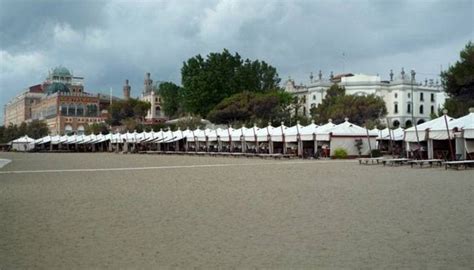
x=80 y=110
x=408 y=124
x=80 y=130
x=396 y=124
x=68 y=129
x=432 y=109
x=421 y=109
x=432 y=97
x=421 y=97
x=91 y=110
x=71 y=110
x=63 y=109
x=313 y=105
x=408 y=108
x=409 y=95
x=395 y=108
x=396 y=95
x=314 y=97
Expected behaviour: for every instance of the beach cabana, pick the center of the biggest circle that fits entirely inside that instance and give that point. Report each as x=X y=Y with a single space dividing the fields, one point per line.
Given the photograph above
x=459 y=131
x=347 y=136
x=431 y=146
x=23 y=144
x=308 y=136
x=391 y=140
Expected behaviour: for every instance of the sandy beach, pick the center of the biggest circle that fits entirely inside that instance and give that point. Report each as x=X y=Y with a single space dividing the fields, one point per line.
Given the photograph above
x=101 y=210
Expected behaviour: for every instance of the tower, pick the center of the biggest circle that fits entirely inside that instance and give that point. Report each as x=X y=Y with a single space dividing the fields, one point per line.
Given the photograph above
x=148 y=84
x=126 y=90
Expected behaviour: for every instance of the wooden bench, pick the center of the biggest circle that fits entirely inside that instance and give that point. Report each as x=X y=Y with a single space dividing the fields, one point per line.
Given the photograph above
x=422 y=162
x=395 y=161
x=459 y=163
x=372 y=161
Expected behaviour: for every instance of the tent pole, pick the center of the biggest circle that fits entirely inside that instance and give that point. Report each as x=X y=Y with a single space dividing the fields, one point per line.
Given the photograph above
x=368 y=140
x=453 y=157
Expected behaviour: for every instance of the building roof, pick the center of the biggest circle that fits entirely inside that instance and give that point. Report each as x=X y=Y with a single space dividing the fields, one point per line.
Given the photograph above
x=57 y=87
x=61 y=72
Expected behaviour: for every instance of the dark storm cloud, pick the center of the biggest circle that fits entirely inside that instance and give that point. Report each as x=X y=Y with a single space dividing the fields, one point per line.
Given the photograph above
x=110 y=41
x=22 y=22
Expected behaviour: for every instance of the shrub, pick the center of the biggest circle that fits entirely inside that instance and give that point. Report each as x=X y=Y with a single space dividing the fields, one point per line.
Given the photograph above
x=340 y=153
x=376 y=153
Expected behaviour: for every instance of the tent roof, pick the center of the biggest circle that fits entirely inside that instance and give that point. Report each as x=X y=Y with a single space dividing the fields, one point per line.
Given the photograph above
x=438 y=123
x=465 y=122
x=349 y=129
x=24 y=139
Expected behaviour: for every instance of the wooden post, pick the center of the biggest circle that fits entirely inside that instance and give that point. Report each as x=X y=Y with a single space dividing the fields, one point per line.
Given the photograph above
x=453 y=156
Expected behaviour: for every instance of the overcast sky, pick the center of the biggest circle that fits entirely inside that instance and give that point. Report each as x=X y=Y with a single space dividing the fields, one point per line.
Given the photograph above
x=110 y=41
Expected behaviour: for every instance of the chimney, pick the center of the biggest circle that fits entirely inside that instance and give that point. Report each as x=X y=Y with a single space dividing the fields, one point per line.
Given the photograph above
x=126 y=90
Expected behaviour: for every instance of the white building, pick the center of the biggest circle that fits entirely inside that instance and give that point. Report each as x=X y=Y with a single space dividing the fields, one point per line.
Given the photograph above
x=150 y=94
x=427 y=98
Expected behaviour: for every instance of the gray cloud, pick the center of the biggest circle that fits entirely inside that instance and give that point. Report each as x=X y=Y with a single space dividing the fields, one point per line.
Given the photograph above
x=109 y=41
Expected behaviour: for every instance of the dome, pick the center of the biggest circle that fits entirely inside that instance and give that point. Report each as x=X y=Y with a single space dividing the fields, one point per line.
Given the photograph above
x=61 y=72
x=57 y=87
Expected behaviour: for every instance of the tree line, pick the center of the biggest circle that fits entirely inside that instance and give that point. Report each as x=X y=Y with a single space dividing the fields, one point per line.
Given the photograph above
x=35 y=129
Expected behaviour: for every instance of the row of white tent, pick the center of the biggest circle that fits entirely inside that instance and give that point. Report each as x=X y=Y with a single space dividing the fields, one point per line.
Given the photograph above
x=337 y=135
x=341 y=135
x=461 y=130
x=276 y=134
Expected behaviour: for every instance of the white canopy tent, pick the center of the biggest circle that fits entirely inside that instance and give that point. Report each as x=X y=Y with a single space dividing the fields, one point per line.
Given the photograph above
x=23 y=144
x=345 y=135
x=424 y=131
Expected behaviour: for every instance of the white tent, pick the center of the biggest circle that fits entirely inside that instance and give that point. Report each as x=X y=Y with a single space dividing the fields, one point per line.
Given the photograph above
x=468 y=128
x=292 y=133
x=278 y=133
x=424 y=129
x=322 y=132
x=24 y=143
x=308 y=131
x=460 y=129
x=395 y=134
x=345 y=136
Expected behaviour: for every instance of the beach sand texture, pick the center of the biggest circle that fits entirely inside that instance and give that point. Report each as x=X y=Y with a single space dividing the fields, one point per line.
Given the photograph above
x=238 y=213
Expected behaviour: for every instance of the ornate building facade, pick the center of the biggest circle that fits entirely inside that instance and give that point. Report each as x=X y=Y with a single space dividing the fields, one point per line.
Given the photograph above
x=150 y=94
x=428 y=96
x=60 y=101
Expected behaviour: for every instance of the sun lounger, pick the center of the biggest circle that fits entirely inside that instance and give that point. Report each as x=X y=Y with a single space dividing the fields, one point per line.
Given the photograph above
x=422 y=162
x=372 y=161
x=459 y=163
x=395 y=161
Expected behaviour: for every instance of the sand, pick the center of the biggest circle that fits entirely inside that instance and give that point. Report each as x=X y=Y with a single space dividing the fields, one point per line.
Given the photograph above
x=240 y=213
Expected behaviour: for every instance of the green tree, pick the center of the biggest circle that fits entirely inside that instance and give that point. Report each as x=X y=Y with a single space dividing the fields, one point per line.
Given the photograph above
x=96 y=128
x=458 y=82
x=125 y=109
x=206 y=82
x=37 y=129
x=249 y=107
x=359 y=109
x=171 y=96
